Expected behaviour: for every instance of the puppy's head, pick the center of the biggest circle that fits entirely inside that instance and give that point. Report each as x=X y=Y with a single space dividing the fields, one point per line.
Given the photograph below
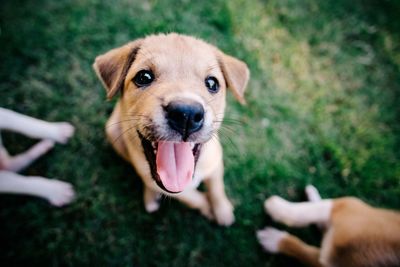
x=173 y=98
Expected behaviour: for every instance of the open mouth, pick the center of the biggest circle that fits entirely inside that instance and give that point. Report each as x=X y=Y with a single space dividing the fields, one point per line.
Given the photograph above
x=171 y=163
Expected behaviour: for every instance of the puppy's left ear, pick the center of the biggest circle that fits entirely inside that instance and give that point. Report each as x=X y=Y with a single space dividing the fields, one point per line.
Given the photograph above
x=236 y=74
x=113 y=66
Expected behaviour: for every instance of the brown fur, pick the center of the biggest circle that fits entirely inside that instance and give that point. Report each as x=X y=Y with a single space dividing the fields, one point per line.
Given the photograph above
x=180 y=64
x=364 y=236
x=355 y=235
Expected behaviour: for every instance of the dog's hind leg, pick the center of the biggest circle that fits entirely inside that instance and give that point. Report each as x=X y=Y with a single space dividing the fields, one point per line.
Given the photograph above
x=19 y=162
x=275 y=241
x=298 y=214
x=35 y=128
x=58 y=193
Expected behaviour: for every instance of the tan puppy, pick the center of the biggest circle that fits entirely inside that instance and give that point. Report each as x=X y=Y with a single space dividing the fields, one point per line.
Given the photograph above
x=356 y=234
x=166 y=122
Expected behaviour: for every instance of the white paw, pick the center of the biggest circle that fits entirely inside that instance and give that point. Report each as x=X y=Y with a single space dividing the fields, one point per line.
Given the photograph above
x=63 y=131
x=279 y=209
x=152 y=206
x=57 y=192
x=223 y=212
x=270 y=239
x=312 y=193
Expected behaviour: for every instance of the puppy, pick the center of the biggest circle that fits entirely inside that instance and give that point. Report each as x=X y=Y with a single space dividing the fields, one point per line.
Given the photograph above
x=166 y=122
x=355 y=234
x=58 y=193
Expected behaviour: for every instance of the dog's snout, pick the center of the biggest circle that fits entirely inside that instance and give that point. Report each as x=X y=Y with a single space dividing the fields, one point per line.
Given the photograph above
x=185 y=118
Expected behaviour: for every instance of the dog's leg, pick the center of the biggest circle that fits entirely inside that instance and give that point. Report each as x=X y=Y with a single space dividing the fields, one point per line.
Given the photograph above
x=114 y=133
x=31 y=127
x=312 y=193
x=298 y=214
x=221 y=206
x=275 y=241
x=58 y=193
x=314 y=196
x=196 y=200
x=21 y=161
x=151 y=199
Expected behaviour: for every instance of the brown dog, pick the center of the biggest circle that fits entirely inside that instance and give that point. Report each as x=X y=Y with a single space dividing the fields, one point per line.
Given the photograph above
x=356 y=234
x=173 y=99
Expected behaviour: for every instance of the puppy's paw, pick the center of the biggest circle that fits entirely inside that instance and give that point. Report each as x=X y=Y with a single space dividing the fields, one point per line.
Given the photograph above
x=279 y=209
x=58 y=193
x=270 y=238
x=152 y=206
x=151 y=200
x=63 y=131
x=223 y=212
x=312 y=193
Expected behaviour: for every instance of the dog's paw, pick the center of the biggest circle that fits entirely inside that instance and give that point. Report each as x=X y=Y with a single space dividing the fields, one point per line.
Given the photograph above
x=279 y=209
x=152 y=206
x=312 y=193
x=63 y=131
x=223 y=212
x=151 y=200
x=57 y=192
x=270 y=238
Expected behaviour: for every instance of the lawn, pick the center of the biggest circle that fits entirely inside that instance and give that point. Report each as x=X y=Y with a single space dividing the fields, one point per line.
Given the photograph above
x=323 y=107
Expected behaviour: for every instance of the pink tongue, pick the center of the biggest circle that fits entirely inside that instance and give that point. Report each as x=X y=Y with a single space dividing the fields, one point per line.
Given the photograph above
x=175 y=165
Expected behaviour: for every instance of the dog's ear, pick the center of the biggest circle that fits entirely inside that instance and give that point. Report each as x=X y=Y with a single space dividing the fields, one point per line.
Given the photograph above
x=236 y=74
x=112 y=67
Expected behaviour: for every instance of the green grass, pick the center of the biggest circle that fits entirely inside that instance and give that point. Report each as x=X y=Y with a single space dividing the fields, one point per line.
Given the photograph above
x=323 y=108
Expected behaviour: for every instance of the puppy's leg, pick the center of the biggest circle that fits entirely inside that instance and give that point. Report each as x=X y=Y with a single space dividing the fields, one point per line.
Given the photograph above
x=298 y=214
x=114 y=133
x=151 y=199
x=314 y=196
x=57 y=131
x=58 y=193
x=196 y=200
x=275 y=241
x=21 y=161
x=221 y=206
x=312 y=193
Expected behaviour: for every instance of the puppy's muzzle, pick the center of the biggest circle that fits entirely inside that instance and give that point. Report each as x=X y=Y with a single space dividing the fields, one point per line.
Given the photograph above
x=185 y=118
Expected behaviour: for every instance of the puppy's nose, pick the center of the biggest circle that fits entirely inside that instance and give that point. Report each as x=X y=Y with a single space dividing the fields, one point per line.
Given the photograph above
x=185 y=118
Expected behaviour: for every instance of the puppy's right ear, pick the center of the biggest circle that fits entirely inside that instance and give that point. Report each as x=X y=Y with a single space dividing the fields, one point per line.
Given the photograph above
x=112 y=67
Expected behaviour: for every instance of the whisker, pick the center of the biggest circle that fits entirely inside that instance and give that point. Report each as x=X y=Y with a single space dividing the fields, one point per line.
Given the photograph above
x=116 y=139
x=109 y=125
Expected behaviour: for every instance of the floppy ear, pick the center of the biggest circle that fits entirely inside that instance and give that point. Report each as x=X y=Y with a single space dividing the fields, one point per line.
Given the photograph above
x=112 y=67
x=236 y=74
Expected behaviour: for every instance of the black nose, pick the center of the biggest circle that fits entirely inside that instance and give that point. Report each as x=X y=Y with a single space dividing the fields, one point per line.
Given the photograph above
x=185 y=118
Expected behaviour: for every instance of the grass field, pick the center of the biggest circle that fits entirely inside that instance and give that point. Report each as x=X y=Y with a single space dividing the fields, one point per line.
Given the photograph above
x=323 y=108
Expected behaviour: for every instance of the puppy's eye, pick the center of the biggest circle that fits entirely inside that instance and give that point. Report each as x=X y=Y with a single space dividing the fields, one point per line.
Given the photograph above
x=212 y=84
x=143 y=78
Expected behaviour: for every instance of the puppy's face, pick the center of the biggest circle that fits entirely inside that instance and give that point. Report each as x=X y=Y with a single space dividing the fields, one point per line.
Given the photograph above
x=173 y=93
